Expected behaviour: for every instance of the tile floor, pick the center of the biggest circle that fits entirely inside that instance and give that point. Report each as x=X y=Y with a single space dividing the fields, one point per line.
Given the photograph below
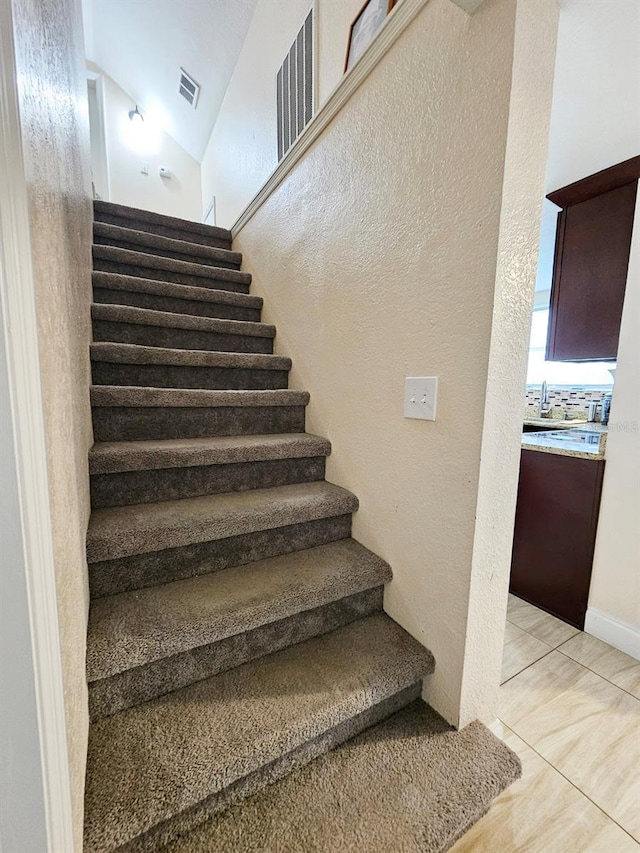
x=570 y=708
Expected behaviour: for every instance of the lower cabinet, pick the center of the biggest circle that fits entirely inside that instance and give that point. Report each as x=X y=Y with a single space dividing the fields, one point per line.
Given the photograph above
x=555 y=532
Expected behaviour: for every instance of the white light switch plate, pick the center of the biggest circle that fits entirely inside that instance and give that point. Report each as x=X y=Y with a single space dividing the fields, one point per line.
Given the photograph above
x=420 y=397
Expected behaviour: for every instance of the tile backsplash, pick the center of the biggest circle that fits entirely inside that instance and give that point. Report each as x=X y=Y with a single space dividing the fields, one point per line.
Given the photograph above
x=565 y=398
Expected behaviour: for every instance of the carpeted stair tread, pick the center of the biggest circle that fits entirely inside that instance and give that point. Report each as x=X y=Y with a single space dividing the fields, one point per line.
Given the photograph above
x=409 y=783
x=129 y=257
x=118 y=281
x=118 y=353
x=153 y=761
x=143 y=241
x=135 y=397
x=117 y=532
x=135 y=628
x=109 y=209
x=149 y=317
x=116 y=456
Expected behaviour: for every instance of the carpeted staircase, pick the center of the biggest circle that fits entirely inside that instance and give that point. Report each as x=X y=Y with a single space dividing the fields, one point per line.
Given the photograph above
x=236 y=630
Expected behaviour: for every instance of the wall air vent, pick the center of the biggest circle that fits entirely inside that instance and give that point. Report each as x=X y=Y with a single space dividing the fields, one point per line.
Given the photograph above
x=294 y=89
x=188 y=88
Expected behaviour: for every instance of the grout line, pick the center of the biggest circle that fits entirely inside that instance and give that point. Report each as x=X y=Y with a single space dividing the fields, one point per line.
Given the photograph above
x=599 y=674
x=548 y=763
x=528 y=666
x=577 y=631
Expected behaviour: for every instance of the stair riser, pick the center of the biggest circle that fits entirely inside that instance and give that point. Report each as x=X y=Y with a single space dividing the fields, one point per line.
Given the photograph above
x=175 y=306
x=166 y=336
x=164 y=253
x=140 y=424
x=162 y=834
x=162 y=231
x=103 y=265
x=167 y=484
x=158 y=567
x=178 y=376
x=143 y=683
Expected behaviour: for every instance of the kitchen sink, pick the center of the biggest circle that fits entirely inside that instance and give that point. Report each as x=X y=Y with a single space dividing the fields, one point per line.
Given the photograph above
x=574 y=436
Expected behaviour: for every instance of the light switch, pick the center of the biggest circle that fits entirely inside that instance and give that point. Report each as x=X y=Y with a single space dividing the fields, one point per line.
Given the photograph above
x=144 y=168
x=420 y=397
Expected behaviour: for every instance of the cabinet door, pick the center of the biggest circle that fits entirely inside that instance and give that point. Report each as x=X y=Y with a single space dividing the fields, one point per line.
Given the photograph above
x=590 y=274
x=555 y=532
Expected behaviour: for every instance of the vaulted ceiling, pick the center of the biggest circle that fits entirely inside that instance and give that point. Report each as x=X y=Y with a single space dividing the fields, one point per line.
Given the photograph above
x=142 y=44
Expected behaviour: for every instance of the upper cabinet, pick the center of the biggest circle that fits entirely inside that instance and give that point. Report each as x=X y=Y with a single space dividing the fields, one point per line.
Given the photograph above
x=591 y=261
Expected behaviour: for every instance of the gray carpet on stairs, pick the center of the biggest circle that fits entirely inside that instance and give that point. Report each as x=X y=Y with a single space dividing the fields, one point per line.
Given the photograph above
x=147 y=317
x=162 y=246
x=135 y=354
x=408 y=785
x=112 y=395
x=128 y=262
x=144 y=455
x=175 y=298
x=159 y=223
x=124 y=531
x=134 y=686
x=109 y=577
x=132 y=629
x=148 y=764
x=236 y=631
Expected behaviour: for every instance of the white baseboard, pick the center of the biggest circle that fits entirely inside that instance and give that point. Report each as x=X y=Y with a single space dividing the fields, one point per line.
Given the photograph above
x=618 y=634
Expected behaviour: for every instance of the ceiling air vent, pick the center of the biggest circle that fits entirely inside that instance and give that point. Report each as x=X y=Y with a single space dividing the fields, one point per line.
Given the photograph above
x=188 y=88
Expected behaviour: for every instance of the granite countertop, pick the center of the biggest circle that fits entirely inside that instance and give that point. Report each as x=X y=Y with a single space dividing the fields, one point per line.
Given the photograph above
x=583 y=440
x=556 y=423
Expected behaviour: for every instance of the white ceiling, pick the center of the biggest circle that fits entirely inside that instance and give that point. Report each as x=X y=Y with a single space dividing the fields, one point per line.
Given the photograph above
x=141 y=44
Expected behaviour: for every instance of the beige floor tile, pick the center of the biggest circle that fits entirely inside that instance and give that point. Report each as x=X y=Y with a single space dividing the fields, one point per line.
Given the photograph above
x=541 y=625
x=543 y=813
x=584 y=726
x=610 y=663
x=520 y=650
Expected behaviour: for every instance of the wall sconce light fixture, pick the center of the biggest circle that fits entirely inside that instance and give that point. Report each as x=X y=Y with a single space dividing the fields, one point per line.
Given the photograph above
x=136 y=116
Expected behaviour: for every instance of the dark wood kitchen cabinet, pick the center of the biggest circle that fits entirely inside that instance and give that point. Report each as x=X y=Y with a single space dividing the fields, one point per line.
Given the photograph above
x=555 y=532
x=593 y=241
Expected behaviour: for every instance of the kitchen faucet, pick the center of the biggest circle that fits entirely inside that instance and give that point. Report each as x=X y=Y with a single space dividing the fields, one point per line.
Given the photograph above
x=544 y=401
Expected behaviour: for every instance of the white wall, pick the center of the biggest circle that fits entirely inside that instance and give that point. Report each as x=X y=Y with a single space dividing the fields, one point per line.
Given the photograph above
x=126 y=150
x=242 y=150
x=595 y=123
x=614 y=597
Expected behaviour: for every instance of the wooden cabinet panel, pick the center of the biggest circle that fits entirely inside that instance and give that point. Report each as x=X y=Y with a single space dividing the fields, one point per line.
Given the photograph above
x=555 y=532
x=593 y=241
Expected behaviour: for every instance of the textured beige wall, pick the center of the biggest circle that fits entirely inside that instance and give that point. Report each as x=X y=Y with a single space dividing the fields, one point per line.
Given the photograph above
x=181 y=195
x=52 y=94
x=377 y=260
x=525 y=165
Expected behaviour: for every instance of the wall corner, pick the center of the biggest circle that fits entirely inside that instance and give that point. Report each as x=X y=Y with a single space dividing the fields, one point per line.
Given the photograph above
x=523 y=190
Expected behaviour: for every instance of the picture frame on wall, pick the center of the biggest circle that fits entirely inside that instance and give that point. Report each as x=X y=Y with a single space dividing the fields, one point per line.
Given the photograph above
x=364 y=28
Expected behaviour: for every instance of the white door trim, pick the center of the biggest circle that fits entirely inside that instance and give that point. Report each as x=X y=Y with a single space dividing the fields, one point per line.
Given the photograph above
x=17 y=299
x=98 y=135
